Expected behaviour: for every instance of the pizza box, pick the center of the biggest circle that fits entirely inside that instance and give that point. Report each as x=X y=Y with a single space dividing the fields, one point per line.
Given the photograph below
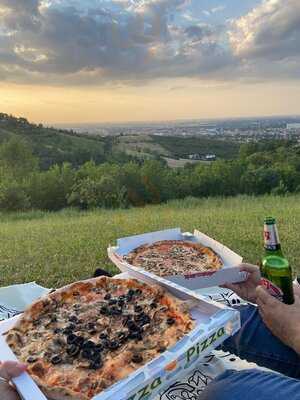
x=229 y=273
x=214 y=323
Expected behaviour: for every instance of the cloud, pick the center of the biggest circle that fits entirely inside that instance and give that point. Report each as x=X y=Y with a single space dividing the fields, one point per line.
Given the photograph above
x=133 y=41
x=130 y=40
x=270 y=31
x=218 y=9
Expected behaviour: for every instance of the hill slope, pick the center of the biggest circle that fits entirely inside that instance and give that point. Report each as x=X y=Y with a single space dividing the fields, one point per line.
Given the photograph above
x=56 y=248
x=53 y=145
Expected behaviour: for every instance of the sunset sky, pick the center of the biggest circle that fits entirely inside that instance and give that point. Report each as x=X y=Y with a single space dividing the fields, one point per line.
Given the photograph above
x=77 y=61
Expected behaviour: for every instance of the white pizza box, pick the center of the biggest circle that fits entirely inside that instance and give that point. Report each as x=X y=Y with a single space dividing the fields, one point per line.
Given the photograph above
x=214 y=323
x=229 y=273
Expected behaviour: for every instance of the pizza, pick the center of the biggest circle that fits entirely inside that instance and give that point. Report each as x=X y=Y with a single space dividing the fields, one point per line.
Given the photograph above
x=174 y=257
x=83 y=338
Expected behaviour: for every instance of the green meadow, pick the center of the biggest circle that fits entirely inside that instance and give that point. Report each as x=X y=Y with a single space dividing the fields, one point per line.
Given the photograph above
x=57 y=248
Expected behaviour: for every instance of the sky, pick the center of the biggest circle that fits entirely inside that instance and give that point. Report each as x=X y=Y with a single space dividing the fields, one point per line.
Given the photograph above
x=79 y=61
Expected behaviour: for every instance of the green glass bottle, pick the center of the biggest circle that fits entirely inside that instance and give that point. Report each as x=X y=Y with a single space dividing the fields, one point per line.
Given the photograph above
x=275 y=267
x=271 y=238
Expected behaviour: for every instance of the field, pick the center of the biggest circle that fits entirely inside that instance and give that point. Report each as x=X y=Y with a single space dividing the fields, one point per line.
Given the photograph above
x=56 y=248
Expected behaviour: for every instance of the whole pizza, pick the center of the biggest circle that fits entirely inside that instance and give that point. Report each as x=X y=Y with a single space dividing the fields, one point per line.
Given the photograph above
x=174 y=257
x=81 y=339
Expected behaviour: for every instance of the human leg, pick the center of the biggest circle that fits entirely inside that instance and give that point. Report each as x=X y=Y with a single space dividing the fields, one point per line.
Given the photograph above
x=255 y=343
x=251 y=385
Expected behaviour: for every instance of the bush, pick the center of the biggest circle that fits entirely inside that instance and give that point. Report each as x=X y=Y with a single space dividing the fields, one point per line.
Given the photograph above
x=13 y=197
x=49 y=190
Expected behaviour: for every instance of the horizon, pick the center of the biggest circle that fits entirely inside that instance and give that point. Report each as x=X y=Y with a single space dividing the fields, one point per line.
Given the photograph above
x=135 y=61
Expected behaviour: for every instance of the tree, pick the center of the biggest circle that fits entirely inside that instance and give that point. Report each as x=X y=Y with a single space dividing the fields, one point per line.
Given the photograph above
x=16 y=158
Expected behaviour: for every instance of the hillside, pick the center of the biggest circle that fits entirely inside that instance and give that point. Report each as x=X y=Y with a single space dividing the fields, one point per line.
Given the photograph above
x=53 y=145
x=56 y=248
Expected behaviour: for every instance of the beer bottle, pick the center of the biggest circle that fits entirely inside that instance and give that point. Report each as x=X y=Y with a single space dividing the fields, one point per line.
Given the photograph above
x=271 y=238
x=275 y=267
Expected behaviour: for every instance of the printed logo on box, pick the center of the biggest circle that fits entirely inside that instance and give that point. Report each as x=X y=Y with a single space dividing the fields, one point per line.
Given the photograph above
x=199 y=274
x=146 y=391
x=192 y=354
x=195 y=351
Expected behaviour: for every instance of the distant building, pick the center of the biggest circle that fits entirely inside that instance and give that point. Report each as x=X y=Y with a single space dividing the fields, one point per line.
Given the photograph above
x=207 y=157
x=293 y=126
x=210 y=157
x=194 y=157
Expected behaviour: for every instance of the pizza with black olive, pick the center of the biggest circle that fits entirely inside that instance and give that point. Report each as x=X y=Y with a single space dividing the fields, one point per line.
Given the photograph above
x=83 y=338
x=174 y=257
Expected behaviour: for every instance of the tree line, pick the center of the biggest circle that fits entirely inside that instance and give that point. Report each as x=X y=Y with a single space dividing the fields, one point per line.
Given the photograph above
x=266 y=167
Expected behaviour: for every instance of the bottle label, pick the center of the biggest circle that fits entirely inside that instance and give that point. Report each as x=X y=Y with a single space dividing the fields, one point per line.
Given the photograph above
x=271 y=237
x=272 y=289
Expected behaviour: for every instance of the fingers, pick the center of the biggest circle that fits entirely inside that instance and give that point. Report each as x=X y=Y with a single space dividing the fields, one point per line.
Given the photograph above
x=264 y=298
x=249 y=268
x=11 y=369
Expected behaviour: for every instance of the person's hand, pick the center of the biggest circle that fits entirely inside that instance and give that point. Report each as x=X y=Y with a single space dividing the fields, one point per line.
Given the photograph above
x=247 y=290
x=9 y=370
x=283 y=320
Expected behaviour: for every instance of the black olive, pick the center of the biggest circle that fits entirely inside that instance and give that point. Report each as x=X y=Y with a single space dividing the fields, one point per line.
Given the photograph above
x=71 y=338
x=96 y=364
x=56 y=360
x=105 y=343
x=69 y=329
x=114 y=345
x=135 y=335
x=132 y=326
x=112 y=302
x=73 y=318
x=96 y=356
x=162 y=349
x=122 y=297
x=31 y=359
x=153 y=305
x=79 y=341
x=103 y=335
x=90 y=326
x=99 y=347
x=87 y=353
x=170 y=321
x=138 y=292
x=107 y=296
x=57 y=330
x=130 y=292
x=138 y=309
x=73 y=350
x=121 y=303
x=53 y=318
x=137 y=358
x=145 y=320
x=104 y=310
x=115 y=310
x=127 y=319
x=88 y=344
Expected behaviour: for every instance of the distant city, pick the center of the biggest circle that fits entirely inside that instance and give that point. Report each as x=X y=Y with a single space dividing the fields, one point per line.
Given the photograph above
x=242 y=130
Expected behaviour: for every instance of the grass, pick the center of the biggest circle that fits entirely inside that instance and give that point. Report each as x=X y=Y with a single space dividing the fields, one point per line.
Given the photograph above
x=57 y=248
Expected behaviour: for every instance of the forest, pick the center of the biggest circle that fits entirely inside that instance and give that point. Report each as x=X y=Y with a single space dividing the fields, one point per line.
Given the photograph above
x=260 y=168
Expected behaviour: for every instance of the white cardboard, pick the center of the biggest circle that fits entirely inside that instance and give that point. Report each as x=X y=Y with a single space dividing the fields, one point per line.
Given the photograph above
x=229 y=273
x=210 y=317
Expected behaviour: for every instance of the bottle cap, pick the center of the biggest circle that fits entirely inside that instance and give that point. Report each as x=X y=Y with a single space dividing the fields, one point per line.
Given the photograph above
x=275 y=262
